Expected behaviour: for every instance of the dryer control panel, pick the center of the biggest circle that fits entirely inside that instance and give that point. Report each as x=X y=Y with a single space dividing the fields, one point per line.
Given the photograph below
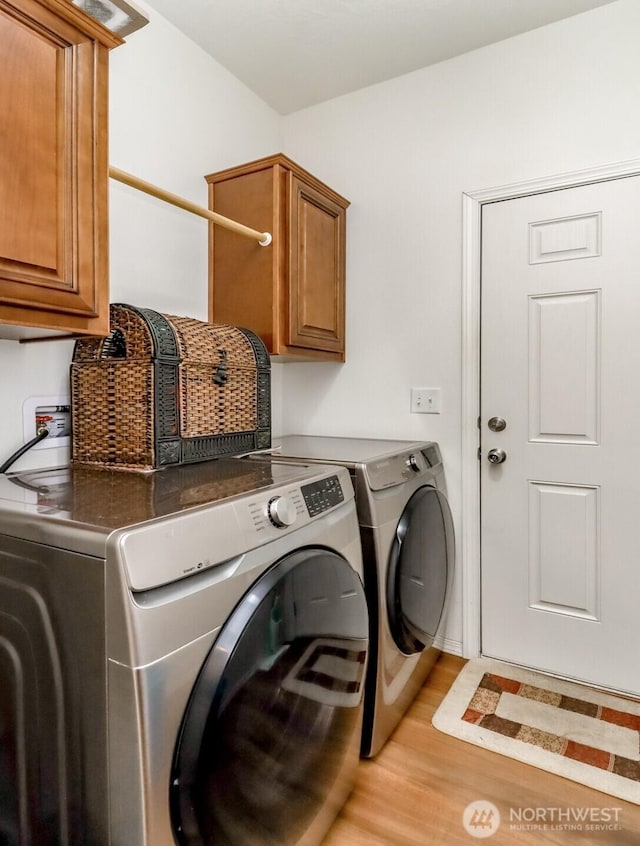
x=394 y=470
x=401 y=467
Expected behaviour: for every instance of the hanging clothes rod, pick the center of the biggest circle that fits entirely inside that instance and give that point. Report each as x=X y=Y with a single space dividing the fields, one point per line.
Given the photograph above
x=263 y=238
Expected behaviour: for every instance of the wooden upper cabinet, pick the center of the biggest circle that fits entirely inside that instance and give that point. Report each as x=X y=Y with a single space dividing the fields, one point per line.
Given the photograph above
x=53 y=169
x=291 y=293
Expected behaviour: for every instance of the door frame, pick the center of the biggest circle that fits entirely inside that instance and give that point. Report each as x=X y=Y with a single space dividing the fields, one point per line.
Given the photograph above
x=472 y=203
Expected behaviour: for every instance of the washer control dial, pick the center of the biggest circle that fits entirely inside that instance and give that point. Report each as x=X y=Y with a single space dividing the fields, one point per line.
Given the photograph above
x=281 y=511
x=412 y=463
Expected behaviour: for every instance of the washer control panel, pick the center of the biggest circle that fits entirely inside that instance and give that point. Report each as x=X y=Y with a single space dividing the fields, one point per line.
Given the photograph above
x=281 y=510
x=159 y=552
x=322 y=495
x=296 y=506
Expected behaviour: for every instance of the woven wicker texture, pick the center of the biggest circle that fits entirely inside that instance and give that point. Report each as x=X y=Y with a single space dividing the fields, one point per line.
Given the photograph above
x=163 y=389
x=211 y=354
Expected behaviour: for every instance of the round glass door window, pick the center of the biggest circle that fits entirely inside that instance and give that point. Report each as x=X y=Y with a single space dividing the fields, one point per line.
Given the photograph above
x=277 y=707
x=419 y=570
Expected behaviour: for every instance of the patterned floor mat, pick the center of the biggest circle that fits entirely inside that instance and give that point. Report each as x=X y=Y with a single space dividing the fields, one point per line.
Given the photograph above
x=565 y=728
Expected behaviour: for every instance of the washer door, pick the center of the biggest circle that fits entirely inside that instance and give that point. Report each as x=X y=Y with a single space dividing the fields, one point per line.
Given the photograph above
x=276 y=709
x=419 y=570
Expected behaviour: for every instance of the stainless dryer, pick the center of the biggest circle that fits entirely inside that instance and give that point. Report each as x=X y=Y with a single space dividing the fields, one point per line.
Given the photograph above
x=182 y=654
x=408 y=548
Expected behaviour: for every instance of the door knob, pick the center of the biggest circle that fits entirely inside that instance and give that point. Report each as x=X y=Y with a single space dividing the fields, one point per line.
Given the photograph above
x=497 y=456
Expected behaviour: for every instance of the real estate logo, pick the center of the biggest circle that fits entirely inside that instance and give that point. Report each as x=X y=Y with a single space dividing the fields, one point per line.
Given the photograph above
x=481 y=818
x=571 y=818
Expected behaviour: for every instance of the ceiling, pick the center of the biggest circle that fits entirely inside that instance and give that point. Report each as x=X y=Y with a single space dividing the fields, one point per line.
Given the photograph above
x=296 y=53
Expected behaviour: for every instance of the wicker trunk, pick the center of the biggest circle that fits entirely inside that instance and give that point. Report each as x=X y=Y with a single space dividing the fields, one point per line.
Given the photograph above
x=162 y=390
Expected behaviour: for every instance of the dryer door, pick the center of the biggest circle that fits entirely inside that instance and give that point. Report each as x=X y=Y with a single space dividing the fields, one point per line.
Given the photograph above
x=420 y=568
x=276 y=711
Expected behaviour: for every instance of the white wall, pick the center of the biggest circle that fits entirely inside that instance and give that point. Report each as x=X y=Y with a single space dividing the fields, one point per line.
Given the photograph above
x=561 y=98
x=175 y=115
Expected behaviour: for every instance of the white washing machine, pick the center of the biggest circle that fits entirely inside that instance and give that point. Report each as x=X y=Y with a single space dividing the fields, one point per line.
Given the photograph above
x=408 y=548
x=182 y=654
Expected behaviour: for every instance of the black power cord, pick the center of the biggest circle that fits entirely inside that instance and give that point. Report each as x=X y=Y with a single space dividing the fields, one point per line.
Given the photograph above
x=42 y=434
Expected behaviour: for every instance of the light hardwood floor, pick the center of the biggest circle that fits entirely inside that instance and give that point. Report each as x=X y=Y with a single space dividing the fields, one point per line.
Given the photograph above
x=415 y=791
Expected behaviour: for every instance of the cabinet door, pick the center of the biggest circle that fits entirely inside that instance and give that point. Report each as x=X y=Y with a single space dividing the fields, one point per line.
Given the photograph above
x=316 y=270
x=53 y=169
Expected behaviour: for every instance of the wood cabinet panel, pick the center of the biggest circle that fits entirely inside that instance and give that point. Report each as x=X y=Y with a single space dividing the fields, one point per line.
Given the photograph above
x=316 y=258
x=291 y=293
x=27 y=169
x=54 y=169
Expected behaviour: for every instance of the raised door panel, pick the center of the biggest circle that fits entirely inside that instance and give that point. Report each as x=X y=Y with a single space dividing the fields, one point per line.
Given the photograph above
x=565 y=350
x=564 y=549
x=53 y=171
x=316 y=270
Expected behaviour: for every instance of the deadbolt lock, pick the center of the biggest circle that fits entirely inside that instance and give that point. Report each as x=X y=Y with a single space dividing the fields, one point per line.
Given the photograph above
x=497 y=424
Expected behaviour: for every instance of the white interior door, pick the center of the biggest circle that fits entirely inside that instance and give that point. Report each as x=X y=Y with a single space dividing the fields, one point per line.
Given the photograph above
x=560 y=355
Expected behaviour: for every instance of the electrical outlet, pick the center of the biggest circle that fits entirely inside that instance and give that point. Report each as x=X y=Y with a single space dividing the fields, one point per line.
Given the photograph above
x=52 y=412
x=425 y=400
